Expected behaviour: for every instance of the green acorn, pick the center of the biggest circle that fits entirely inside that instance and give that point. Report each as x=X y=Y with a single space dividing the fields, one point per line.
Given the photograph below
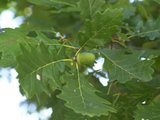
x=85 y=58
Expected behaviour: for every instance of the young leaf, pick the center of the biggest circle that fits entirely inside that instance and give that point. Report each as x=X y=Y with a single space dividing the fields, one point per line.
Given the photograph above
x=123 y=67
x=80 y=96
x=99 y=30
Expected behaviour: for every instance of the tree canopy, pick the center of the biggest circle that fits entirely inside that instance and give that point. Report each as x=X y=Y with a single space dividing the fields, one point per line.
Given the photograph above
x=45 y=51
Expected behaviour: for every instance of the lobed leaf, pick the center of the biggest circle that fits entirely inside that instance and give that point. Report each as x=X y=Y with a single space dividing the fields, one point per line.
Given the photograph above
x=151 y=29
x=9 y=45
x=148 y=112
x=40 y=70
x=80 y=96
x=124 y=67
x=51 y=3
x=99 y=30
x=89 y=8
x=61 y=112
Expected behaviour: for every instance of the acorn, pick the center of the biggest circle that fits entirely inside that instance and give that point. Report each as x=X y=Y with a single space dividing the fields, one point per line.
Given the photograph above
x=85 y=58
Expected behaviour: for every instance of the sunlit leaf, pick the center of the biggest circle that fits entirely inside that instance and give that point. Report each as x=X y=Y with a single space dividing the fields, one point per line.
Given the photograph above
x=81 y=97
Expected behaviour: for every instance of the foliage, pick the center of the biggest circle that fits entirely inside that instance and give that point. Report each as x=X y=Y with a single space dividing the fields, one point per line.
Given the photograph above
x=44 y=52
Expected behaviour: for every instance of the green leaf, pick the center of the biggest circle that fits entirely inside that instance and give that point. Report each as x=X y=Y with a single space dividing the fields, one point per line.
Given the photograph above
x=128 y=8
x=41 y=68
x=42 y=2
x=124 y=67
x=99 y=30
x=128 y=11
x=89 y=8
x=10 y=40
x=71 y=115
x=158 y=1
x=148 y=112
x=151 y=29
x=66 y=2
x=80 y=96
x=61 y=112
x=9 y=45
x=51 y=3
x=0 y=55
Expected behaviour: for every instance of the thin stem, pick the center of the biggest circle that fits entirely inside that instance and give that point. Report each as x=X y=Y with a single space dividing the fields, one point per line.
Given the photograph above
x=109 y=88
x=81 y=47
x=122 y=44
x=60 y=48
x=109 y=117
x=51 y=63
x=67 y=46
x=115 y=101
x=38 y=99
x=144 y=33
x=78 y=51
x=79 y=86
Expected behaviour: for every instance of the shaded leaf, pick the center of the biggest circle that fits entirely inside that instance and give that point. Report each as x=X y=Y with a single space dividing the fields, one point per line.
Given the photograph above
x=123 y=67
x=100 y=29
x=158 y=1
x=151 y=29
x=71 y=115
x=9 y=45
x=61 y=112
x=40 y=69
x=148 y=112
x=51 y=3
x=42 y=2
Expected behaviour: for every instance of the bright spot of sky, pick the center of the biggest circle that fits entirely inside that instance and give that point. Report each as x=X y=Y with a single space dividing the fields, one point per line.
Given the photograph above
x=99 y=66
x=135 y=0
x=10 y=97
x=8 y=20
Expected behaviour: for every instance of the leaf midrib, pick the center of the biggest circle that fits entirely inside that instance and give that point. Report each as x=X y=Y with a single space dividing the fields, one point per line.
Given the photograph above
x=97 y=33
x=132 y=74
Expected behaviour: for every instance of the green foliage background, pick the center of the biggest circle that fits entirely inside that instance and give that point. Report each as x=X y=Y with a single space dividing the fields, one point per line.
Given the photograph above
x=126 y=35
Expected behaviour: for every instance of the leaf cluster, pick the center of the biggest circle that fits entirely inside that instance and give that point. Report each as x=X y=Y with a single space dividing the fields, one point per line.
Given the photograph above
x=43 y=50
